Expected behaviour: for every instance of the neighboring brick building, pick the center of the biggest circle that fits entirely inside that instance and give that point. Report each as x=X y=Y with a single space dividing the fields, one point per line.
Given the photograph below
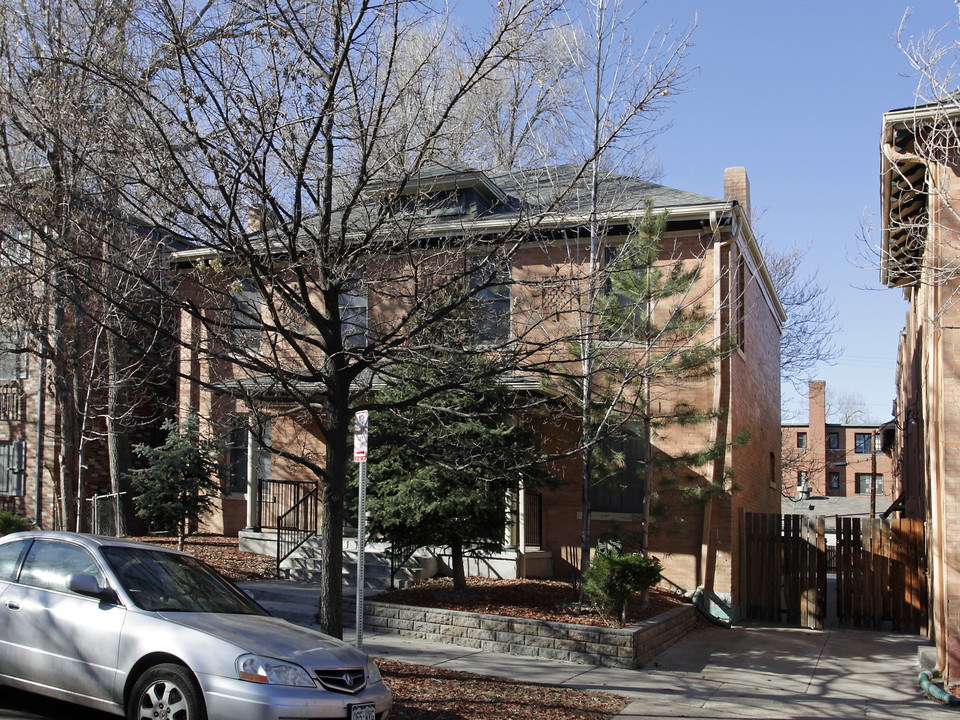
x=699 y=542
x=920 y=192
x=39 y=366
x=834 y=460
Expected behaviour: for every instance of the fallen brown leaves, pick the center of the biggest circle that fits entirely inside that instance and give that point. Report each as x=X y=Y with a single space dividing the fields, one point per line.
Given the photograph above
x=534 y=599
x=222 y=553
x=428 y=693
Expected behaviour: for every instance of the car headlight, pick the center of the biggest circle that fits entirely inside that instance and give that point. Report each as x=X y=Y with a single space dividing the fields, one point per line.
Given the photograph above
x=259 y=669
x=373 y=672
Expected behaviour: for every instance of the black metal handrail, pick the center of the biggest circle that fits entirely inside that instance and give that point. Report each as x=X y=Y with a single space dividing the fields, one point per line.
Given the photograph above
x=296 y=526
x=276 y=497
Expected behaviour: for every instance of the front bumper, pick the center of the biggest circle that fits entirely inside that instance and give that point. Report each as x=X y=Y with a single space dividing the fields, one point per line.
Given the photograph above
x=233 y=699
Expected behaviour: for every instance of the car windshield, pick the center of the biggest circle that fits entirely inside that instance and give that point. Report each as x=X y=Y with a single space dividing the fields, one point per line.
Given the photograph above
x=158 y=580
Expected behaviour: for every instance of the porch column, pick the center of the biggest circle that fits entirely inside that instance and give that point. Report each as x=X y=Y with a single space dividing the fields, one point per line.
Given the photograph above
x=253 y=467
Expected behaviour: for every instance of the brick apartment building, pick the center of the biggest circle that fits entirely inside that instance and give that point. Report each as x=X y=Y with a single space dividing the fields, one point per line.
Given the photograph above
x=834 y=460
x=699 y=546
x=920 y=194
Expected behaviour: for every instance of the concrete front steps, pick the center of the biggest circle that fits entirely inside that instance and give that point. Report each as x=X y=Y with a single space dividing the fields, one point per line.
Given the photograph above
x=304 y=565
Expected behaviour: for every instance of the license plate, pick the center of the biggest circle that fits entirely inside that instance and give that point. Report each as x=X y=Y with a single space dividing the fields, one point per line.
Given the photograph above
x=366 y=711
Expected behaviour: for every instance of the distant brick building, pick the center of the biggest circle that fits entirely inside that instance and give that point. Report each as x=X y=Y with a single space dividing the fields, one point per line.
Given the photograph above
x=836 y=460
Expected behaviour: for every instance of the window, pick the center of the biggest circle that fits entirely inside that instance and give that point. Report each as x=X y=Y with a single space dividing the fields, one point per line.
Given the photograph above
x=834 y=481
x=239 y=439
x=862 y=443
x=801 y=439
x=246 y=325
x=863 y=484
x=14 y=246
x=9 y=557
x=489 y=284
x=833 y=441
x=237 y=459
x=13 y=361
x=49 y=564
x=353 y=314
x=12 y=468
x=620 y=485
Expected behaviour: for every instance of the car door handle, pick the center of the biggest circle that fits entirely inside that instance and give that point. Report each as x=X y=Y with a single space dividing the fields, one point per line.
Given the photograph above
x=13 y=605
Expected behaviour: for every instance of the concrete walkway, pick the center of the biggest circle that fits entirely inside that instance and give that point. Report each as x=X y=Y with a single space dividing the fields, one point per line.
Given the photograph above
x=746 y=672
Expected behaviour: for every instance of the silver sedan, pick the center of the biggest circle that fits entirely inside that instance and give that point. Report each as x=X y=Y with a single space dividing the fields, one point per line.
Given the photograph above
x=150 y=633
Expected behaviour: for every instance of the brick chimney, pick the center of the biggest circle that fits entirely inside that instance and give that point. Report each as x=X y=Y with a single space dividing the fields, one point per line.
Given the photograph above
x=736 y=186
x=259 y=218
x=817 y=434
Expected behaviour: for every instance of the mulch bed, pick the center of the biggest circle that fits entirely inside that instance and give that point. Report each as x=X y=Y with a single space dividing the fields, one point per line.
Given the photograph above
x=533 y=599
x=427 y=693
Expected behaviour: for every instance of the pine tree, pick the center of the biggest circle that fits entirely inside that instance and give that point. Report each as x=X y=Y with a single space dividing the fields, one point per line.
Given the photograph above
x=177 y=485
x=441 y=472
x=652 y=333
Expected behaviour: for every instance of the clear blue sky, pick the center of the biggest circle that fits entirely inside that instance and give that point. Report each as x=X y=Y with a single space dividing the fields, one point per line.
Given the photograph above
x=794 y=92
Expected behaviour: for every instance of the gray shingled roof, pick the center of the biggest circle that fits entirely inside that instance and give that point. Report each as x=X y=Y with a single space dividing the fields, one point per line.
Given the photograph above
x=618 y=192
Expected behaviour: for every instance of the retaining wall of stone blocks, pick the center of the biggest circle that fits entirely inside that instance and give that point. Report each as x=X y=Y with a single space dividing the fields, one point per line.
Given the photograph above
x=629 y=647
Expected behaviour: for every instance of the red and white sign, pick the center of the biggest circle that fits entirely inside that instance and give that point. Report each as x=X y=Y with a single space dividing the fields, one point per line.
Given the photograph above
x=360 y=430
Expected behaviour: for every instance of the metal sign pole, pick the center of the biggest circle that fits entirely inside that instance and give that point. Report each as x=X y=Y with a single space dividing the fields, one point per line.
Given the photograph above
x=361 y=429
x=361 y=549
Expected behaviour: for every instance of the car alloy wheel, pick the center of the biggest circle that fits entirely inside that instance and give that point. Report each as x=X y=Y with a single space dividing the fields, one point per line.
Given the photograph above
x=166 y=692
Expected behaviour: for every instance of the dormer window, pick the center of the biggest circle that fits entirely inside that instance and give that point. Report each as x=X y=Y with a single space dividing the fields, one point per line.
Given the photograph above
x=439 y=191
x=444 y=203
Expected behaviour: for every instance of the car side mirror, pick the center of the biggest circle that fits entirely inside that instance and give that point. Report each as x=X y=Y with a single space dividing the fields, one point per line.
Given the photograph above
x=83 y=584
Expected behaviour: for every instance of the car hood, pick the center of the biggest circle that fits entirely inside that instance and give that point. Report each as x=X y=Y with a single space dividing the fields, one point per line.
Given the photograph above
x=266 y=635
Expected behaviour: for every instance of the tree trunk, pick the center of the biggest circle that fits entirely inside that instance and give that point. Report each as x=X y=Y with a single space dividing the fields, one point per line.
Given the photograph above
x=331 y=525
x=67 y=416
x=456 y=560
x=118 y=445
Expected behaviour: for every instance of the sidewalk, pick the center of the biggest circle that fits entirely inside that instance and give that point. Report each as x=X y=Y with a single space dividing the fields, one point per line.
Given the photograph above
x=746 y=672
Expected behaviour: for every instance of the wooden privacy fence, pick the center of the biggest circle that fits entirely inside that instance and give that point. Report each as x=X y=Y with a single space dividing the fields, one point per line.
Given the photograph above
x=880 y=571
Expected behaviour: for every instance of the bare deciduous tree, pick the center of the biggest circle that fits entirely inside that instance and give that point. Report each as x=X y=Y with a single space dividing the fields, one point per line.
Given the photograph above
x=807 y=337
x=323 y=122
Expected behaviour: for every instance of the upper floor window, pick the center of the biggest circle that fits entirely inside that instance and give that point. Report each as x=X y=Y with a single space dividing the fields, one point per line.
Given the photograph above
x=862 y=443
x=489 y=284
x=834 y=480
x=833 y=441
x=13 y=361
x=14 y=246
x=863 y=483
x=245 y=327
x=801 y=439
x=353 y=314
x=623 y=313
